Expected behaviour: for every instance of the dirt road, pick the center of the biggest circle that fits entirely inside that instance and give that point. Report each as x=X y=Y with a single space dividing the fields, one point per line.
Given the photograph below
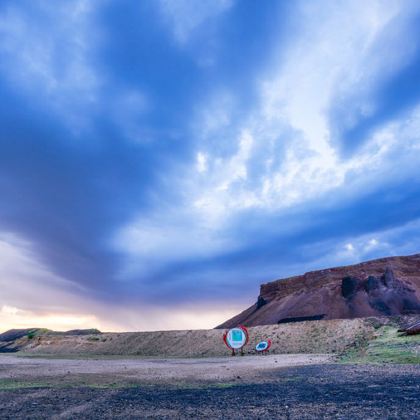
x=104 y=371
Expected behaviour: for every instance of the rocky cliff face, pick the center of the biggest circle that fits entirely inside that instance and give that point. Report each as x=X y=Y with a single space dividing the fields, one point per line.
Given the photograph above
x=387 y=286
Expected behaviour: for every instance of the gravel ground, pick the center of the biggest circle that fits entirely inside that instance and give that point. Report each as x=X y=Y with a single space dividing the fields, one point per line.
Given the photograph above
x=105 y=371
x=247 y=387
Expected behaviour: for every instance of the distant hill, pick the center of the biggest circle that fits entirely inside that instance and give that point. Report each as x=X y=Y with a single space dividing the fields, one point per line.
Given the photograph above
x=12 y=335
x=386 y=286
x=13 y=340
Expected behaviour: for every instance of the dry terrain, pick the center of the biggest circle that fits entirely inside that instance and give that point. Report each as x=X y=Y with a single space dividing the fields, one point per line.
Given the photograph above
x=20 y=371
x=361 y=368
x=331 y=336
x=275 y=386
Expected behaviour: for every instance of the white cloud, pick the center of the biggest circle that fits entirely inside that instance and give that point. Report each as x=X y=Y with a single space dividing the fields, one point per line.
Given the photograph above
x=349 y=247
x=361 y=247
x=283 y=153
x=169 y=235
x=227 y=173
x=186 y=16
x=394 y=241
x=201 y=164
x=341 y=49
x=372 y=244
x=338 y=52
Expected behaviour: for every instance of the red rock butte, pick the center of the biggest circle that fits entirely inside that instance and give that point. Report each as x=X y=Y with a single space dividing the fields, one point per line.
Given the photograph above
x=382 y=287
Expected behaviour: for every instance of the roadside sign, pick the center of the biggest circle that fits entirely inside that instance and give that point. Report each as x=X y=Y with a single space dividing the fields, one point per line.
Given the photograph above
x=263 y=346
x=236 y=338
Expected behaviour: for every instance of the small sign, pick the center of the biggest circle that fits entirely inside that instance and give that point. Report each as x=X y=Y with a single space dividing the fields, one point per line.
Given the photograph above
x=263 y=346
x=236 y=338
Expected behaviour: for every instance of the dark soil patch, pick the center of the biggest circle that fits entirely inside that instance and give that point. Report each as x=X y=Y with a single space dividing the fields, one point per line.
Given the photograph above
x=307 y=392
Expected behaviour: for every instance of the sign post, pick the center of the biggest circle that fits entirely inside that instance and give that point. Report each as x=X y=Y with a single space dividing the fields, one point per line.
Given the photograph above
x=263 y=346
x=236 y=338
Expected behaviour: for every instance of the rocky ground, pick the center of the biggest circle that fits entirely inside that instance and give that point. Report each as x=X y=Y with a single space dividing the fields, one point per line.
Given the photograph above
x=276 y=386
x=24 y=372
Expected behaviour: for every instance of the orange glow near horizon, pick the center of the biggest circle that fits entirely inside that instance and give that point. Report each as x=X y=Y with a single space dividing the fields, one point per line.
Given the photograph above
x=14 y=318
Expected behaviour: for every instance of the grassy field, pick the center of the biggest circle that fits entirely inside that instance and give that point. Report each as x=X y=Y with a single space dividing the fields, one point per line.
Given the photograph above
x=389 y=346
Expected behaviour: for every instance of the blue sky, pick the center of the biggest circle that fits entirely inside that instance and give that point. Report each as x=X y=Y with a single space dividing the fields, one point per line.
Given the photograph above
x=161 y=159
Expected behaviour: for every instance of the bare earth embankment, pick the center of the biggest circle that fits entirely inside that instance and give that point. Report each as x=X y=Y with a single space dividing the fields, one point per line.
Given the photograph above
x=332 y=336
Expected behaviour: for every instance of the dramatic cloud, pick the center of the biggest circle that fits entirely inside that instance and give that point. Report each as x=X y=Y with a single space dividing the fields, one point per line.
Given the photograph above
x=159 y=160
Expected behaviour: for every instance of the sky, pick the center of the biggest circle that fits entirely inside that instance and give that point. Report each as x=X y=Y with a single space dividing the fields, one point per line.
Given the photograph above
x=161 y=159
